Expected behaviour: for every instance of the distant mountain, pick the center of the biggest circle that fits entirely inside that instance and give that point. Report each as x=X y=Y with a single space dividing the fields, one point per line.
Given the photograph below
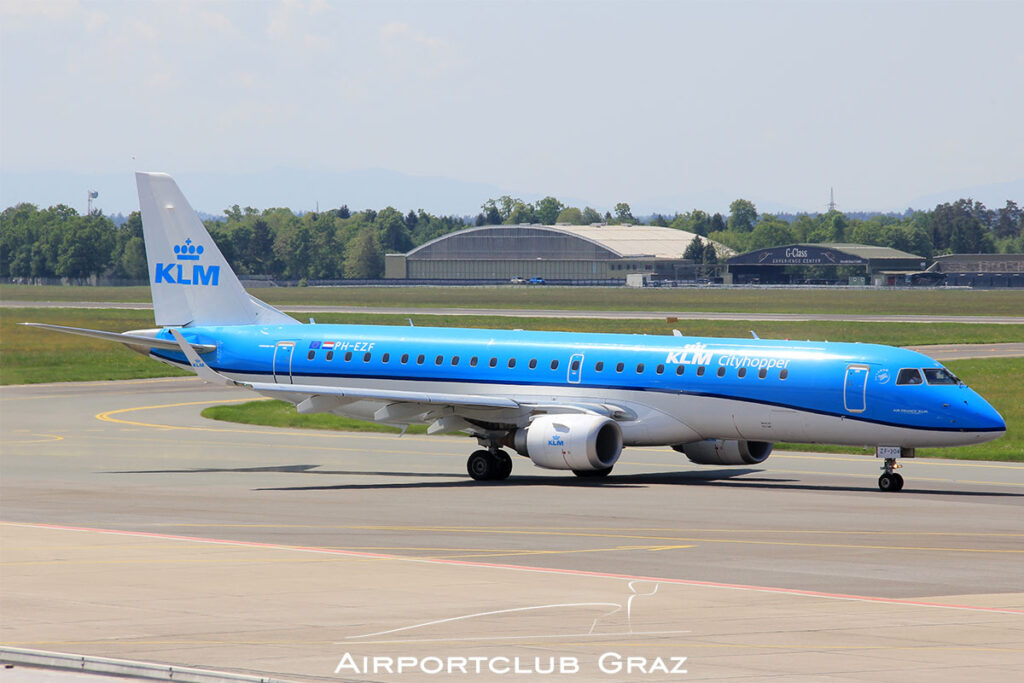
x=993 y=196
x=711 y=202
x=301 y=191
x=297 y=190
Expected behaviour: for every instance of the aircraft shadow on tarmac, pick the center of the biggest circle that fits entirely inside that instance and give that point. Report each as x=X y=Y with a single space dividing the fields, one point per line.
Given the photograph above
x=721 y=477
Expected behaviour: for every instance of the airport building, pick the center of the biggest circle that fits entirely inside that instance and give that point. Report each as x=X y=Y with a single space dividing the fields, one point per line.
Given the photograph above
x=984 y=271
x=594 y=252
x=835 y=263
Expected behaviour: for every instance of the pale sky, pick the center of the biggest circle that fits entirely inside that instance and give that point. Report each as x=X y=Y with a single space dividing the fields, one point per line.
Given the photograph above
x=602 y=101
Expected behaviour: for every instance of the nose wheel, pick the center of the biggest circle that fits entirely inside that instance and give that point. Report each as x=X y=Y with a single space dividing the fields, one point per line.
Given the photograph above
x=890 y=479
x=489 y=465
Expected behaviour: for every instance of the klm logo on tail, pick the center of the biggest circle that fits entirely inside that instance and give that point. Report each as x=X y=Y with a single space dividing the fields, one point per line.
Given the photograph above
x=179 y=274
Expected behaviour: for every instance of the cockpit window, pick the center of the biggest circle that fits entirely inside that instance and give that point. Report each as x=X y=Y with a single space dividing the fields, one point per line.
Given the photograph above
x=940 y=376
x=909 y=376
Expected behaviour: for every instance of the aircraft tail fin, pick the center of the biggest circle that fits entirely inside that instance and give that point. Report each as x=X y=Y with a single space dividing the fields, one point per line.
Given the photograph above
x=191 y=281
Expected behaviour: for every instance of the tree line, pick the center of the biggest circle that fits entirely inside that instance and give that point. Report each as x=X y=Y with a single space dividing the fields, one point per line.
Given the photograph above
x=961 y=227
x=57 y=242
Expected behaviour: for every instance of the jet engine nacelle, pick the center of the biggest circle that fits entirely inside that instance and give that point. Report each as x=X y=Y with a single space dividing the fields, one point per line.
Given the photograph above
x=719 y=452
x=571 y=442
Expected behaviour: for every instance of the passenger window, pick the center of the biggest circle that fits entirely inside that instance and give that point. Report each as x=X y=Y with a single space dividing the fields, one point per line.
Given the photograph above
x=783 y=374
x=939 y=376
x=420 y=358
x=330 y=355
x=472 y=362
x=533 y=363
x=511 y=362
x=455 y=360
x=660 y=369
x=554 y=365
x=909 y=376
x=366 y=357
x=721 y=371
x=438 y=360
x=385 y=358
x=575 y=366
x=311 y=355
x=348 y=356
x=405 y=358
x=493 y=362
x=618 y=367
x=700 y=370
x=599 y=366
x=639 y=368
x=762 y=373
x=741 y=373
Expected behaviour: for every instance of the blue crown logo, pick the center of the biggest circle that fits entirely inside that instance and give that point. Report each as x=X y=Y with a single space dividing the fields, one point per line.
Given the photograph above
x=188 y=251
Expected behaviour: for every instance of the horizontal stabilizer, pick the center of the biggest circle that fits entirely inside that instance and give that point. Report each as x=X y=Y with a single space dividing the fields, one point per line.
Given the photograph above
x=130 y=339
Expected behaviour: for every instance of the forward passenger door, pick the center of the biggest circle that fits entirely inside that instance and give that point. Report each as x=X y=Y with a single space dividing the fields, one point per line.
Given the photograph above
x=855 y=388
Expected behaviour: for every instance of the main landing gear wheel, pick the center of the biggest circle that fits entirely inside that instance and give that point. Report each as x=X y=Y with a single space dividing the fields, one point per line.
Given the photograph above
x=488 y=466
x=593 y=474
x=891 y=482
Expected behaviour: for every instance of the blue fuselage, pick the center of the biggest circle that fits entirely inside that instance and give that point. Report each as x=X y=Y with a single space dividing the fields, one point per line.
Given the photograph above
x=794 y=383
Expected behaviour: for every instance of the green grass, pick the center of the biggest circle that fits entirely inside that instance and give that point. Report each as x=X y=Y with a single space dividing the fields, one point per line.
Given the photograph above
x=56 y=293
x=998 y=379
x=868 y=301
x=29 y=355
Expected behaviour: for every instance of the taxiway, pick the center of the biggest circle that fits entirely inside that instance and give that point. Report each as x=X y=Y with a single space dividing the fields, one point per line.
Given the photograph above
x=134 y=528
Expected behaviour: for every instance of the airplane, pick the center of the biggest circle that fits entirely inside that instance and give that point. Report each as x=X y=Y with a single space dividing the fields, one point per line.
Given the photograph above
x=566 y=401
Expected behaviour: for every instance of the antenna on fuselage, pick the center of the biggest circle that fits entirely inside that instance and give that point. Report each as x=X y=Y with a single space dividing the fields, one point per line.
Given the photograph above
x=311 y=321
x=754 y=334
x=677 y=333
x=410 y=322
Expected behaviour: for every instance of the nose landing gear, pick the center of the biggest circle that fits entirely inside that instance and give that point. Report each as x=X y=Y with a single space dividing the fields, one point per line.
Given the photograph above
x=890 y=480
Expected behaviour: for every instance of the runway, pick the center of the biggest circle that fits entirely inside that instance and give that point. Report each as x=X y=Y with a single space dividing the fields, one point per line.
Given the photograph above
x=134 y=528
x=570 y=313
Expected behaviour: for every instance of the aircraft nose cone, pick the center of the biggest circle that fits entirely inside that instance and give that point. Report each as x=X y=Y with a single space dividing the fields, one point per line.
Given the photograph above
x=984 y=418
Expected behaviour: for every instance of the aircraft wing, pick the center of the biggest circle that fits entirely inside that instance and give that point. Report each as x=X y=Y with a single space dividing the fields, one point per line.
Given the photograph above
x=130 y=339
x=360 y=394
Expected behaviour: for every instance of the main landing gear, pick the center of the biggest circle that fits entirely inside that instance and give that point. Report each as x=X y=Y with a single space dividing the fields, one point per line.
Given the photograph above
x=491 y=465
x=890 y=480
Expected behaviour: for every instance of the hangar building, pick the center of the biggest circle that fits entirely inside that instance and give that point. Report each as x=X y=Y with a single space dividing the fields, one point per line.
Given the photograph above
x=830 y=263
x=552 y=252
x=986 y=271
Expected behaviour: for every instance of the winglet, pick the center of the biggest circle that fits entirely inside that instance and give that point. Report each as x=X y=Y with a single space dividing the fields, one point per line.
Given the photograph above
x=200 y=367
